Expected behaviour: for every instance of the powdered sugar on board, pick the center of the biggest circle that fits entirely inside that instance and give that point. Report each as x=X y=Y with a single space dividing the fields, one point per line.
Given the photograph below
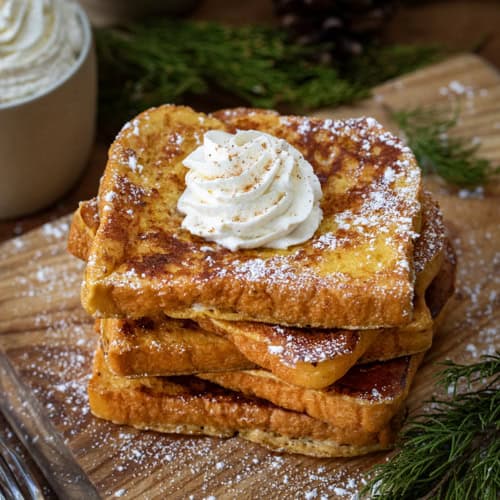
x=50 y=342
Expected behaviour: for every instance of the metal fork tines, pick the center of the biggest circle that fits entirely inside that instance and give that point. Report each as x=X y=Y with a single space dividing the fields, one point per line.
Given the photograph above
x=16 y=480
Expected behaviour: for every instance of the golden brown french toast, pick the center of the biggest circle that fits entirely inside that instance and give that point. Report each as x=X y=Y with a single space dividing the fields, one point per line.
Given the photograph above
x=306 y=357
x=189 y=405
x=147 y=347
x=133 y=349
x=366 y=397
x=83 y=228
x=355 y=272
x=313 y=358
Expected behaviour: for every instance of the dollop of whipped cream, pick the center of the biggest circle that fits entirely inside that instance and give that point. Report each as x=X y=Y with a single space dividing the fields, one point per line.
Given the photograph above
x=40 y=41
x=249 y=190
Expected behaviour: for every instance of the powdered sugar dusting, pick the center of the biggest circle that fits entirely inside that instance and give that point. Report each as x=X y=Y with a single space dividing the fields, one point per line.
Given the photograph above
x=55 y=230
x=294 y=345
x=133 y=165
x=275 y=349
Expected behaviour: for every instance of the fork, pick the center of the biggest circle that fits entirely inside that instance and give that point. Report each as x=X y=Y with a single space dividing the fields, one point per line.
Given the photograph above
x=41 y=440
x=16 y=479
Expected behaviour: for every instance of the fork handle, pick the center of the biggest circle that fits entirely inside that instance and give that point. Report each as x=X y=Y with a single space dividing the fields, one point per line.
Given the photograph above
x=20 y=470
x=27 y=418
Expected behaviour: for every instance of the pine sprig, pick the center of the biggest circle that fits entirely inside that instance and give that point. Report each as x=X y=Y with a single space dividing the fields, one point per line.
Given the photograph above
x=160 y=61
x=455 y=373
x=453 y=452
x=454 y=159
x=164 y=60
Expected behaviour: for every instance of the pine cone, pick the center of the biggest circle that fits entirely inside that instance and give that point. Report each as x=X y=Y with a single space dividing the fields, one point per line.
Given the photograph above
x=347 y=24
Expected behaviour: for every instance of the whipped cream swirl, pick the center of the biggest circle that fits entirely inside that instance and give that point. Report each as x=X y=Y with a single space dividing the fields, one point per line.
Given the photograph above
x=249 y=190
x=40 y=41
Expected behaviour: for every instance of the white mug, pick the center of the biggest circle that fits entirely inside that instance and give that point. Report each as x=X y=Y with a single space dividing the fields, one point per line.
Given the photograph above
x=45 y=139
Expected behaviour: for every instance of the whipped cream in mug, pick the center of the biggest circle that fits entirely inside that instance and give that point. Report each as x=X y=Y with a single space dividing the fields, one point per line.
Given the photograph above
x=249 y=190
x=40 y=41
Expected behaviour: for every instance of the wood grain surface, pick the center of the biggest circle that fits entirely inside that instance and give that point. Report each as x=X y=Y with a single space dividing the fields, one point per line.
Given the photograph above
x=49 y=339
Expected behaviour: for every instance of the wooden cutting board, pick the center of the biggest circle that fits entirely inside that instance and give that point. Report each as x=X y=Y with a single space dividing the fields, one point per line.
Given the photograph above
x=49 y=340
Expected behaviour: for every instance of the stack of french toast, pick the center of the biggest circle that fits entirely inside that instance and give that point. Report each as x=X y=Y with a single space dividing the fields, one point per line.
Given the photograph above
x=310 y=349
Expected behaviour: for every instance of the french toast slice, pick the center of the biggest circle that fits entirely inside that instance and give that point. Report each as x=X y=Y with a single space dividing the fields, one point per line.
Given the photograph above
x=367 y=397
x=83 y=228
x=306 y=357
x=356 y=272
x=189 y=405
x=442 y=288
x=147 y=347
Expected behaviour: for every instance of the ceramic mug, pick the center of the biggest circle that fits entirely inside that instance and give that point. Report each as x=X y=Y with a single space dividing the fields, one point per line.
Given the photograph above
x=45 y=139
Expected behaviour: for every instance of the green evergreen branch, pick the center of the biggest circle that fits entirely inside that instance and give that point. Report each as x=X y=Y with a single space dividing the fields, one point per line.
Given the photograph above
x=153 y=62
x=161 y=61
x=471 y=374
x=453 y=452
x=165 y=60
x=454 y=159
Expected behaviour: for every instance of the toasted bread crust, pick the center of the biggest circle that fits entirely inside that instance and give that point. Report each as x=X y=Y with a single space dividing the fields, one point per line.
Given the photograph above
x=173 y=347
x=367 y=397
x=442 y=288
x=142 y=262
x=309 y=358
x=317 y=448
x=83 y=227
x=190 y=405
